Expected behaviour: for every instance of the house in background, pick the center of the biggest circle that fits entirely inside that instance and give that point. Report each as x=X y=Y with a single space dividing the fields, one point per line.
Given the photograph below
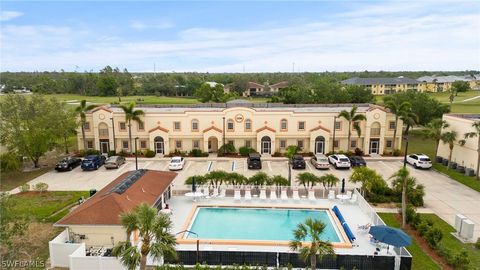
x=387 y=86
x=444 y=83
x=94 y=228
x=256 y=89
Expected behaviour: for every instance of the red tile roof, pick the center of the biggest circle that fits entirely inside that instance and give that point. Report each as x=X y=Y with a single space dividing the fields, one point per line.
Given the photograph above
x=279 y=85
x=254 y=85
x=105 y=206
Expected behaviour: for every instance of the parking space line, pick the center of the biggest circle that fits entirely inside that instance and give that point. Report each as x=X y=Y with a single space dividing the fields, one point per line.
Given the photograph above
x=233 y=166
x=245 y=166
x=166 y=167
x=308 y=166
x=269 y=165
x=146 y=164
x=210 y=163
x=188 y=165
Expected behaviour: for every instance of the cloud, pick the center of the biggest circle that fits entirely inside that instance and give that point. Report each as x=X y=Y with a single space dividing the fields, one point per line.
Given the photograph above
x=428 y=37
x=9 y=15
x=142 y=26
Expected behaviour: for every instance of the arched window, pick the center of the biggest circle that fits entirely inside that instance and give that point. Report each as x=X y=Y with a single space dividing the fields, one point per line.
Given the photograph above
x=230 y=125
x=283 y=124
x=248 y=125
x=103 y=130
x=194 y=125
x=375 y=130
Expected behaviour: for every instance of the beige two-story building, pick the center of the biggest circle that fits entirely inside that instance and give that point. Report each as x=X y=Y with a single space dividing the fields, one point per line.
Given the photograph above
x=386 y=86
x=266 y=127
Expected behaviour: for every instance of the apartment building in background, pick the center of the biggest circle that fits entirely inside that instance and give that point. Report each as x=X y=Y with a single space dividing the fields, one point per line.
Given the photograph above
x=386 y=86
x=256 y=89
x=444 y=83
x=266 y=127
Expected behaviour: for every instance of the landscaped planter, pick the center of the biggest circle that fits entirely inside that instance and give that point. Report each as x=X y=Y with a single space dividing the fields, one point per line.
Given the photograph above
x=452 y=165
x=461 y=169
x=469 y=172
x=445 y=162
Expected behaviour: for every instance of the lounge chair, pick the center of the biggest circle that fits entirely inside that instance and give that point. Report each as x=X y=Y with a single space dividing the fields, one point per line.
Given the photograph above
x=353 y=200
x=273 y=195
x=263 y=194
x=283 y=194
x=331 y=195
x=349 y=194
x=206 y=191
x=214 y=194
x=248 y=194
x=223 y=193
x=311 y=195
x=295 y=195
x=237 y=195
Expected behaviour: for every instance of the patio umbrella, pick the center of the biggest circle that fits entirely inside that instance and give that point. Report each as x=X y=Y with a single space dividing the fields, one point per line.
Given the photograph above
x=343 y=186
x=390 y=236
x=194 y=187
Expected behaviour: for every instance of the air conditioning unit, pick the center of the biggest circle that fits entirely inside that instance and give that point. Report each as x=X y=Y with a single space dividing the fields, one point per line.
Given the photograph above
x=467 y=229
x=458 y=222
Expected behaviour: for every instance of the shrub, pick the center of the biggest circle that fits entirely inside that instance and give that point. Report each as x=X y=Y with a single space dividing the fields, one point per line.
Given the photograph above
x=348 y=153
x=197 y=153
x=41 y=187
x=277 y=154
x=397 y=152
x=123 y=153
x=24 y=188
x=358 y=152
x=149 y=153
x=10 y=162
x=460 y=260
x=410 y=214
x=433 y=237
x=92 y=152
x=227 y=149
x=417 y=219
x=244 y=151
x=112 y=153
x=415 y=195
x=477 y=244
x=423 y=227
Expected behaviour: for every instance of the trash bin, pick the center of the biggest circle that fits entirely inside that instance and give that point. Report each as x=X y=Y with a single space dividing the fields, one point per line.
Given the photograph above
x=452 y=165
x=469 y=172
x=92 y=192
x=439 y=159
x=461 y=169
x=445 y=162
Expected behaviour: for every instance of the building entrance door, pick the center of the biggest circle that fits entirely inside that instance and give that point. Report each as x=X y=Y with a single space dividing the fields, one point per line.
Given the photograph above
x=266 y=145
x=374 y=146
x=104 y=146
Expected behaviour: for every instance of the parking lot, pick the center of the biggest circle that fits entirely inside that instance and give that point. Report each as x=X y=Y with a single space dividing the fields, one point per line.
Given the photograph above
x=444 y=196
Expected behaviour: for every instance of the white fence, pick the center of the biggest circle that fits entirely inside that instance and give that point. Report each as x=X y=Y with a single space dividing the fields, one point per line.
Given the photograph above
x=79 y=261
x=60 y=250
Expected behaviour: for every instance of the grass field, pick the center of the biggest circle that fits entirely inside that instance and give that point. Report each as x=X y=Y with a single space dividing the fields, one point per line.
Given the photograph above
x=11 y=180
x=418 y=144
x=421 y=261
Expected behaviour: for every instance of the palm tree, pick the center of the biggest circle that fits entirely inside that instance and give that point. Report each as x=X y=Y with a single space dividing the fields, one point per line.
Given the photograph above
x=80 y=111
x=154 y=230
x=352 y=117
x=131 y=115
x=308 y=180
x=291 y=151
x=402 y=176
x=473 y=134
x=400 y=110
x=449 y=138
x=329 y=180
x=433 y=130
x=311 y=231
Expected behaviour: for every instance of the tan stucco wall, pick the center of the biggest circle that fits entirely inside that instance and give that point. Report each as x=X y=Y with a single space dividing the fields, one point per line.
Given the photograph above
x=463 y=155
x=99 y=235
x=210 y=125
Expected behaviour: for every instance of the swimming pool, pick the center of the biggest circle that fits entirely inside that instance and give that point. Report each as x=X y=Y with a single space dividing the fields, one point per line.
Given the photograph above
x=258 y=224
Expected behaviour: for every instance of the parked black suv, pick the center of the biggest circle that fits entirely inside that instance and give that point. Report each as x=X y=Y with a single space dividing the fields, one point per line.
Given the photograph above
x=357 y=161
x=298 y=162
x=68 y=164
x=253 y=161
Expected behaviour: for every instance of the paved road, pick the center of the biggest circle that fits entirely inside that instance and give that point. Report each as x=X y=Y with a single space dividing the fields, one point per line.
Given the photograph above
x=444 y=196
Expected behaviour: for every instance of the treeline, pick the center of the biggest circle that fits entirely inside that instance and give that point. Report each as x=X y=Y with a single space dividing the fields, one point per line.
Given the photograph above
x=116 y=82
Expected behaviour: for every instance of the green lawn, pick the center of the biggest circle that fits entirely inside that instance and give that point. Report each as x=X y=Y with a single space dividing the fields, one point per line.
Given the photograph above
x=11 y=180
x=418 y=144
x=453 y=243
x=445 y=96
x=421 y=260
x=40 y=206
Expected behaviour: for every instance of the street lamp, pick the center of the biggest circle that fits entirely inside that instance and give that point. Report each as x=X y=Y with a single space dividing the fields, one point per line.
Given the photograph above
x=136 y=155
x=198 y=243
x=334 y=124
x=223 y=135
x=113 y=129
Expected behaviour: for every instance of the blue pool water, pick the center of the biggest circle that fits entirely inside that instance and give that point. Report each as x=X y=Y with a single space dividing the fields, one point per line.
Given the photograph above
x=255 y=223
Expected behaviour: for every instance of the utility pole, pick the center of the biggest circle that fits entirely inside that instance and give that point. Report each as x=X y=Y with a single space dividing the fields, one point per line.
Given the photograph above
x=334 y=124
x=293 y=67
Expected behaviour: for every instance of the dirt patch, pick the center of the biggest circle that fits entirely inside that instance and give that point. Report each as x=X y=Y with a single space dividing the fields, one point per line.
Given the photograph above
x=33 y=245
x=424 y=245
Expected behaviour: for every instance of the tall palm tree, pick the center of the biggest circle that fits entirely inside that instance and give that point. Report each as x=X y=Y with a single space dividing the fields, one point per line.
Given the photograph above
x=400 y=110
x=291 y=151
x=131 y=115
x=433 y=130
x=156 y=239
x=449 y=137
x=310 y=231
x=353 y=118
x=473 y=134
x=402 y=176
x=80 y=111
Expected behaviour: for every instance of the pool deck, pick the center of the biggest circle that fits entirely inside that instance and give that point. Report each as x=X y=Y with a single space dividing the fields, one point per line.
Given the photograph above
x=184 y=207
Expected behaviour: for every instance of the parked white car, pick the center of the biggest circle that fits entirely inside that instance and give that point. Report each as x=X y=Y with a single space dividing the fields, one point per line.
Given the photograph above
x=419 y=161
x=339 y=161
x=176 y=163
x=320 y=161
